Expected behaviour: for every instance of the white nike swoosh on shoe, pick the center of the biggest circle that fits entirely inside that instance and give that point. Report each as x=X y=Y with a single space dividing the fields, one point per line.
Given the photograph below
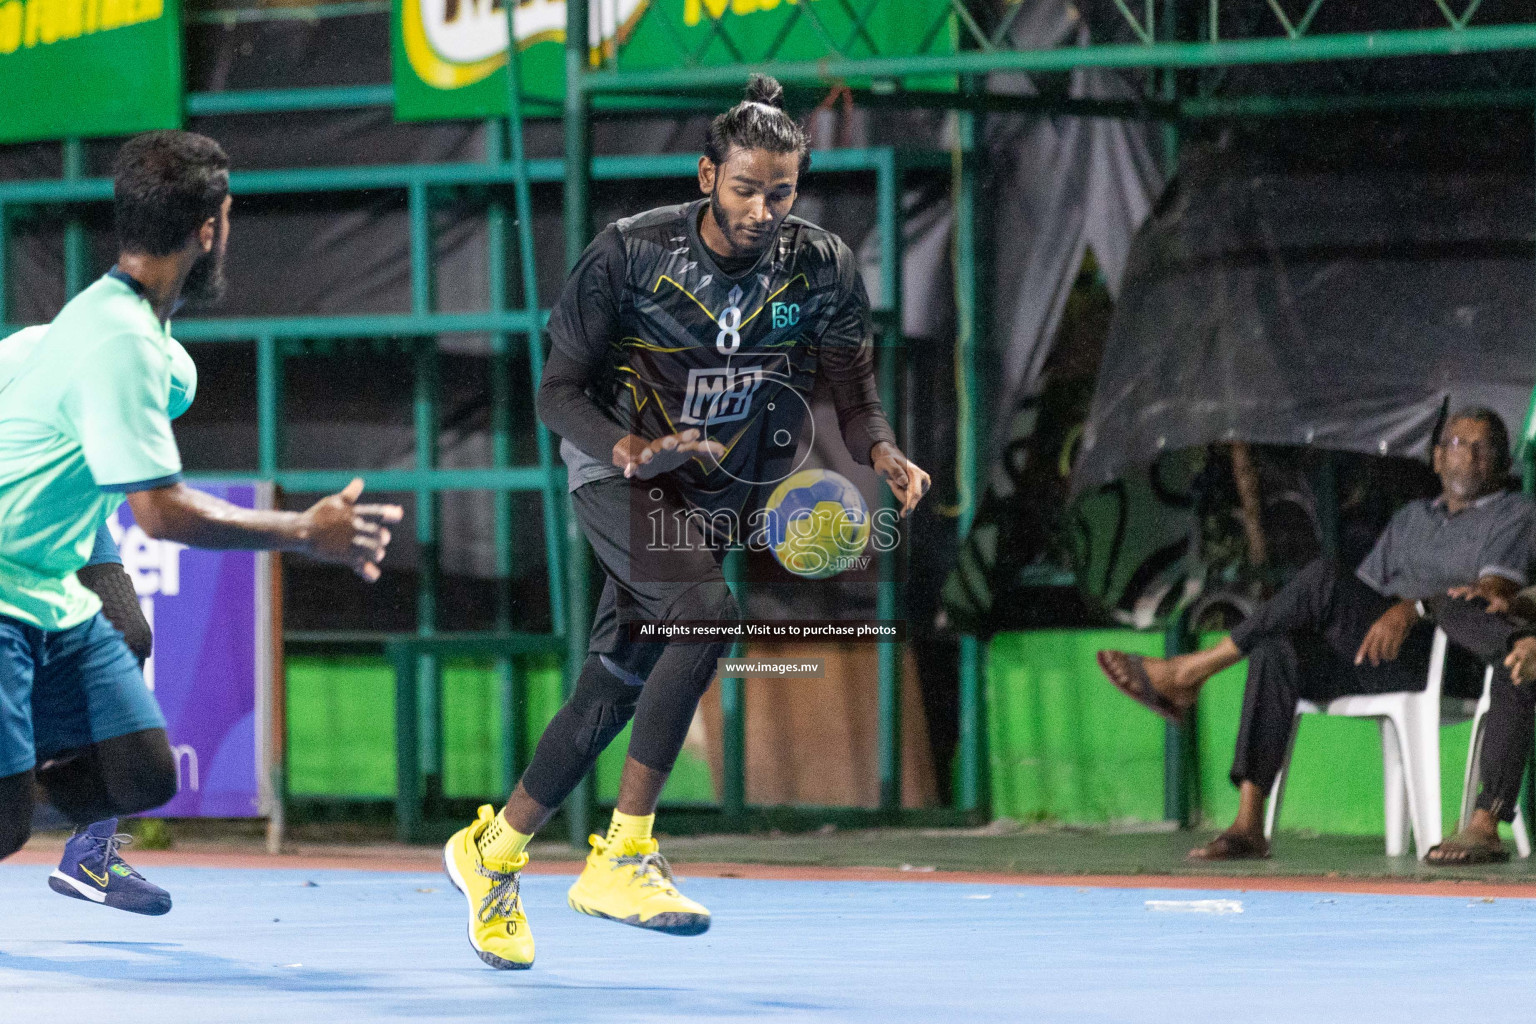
x=94 y=895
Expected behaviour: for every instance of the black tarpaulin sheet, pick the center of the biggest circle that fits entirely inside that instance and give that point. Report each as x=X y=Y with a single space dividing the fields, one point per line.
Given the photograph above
x=1328 y=283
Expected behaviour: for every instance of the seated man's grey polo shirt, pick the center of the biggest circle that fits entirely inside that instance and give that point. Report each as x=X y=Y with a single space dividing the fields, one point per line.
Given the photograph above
x=1425 y=550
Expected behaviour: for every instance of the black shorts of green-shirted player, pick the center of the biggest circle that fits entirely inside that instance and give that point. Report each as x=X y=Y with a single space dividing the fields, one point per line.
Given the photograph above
x=684 y=348
x=91 y=401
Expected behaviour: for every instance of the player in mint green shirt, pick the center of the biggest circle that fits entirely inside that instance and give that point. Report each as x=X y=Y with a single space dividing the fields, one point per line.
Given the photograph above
x=83 y=424
x=92 y=847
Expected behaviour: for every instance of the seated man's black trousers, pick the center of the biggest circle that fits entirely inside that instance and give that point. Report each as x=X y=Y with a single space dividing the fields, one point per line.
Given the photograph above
x=1511 y=717
x=1301 y=645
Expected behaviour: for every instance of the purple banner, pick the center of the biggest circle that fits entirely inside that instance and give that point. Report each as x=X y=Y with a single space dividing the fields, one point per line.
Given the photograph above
x=203 y=607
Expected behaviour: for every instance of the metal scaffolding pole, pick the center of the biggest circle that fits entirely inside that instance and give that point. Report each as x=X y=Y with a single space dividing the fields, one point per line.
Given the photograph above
x=892 y=377
x=425 y=419
x=578 y=228
x=1172 y=55
x=76 y=249
x=1179 y=742
x=969 y=335
x=507 y=677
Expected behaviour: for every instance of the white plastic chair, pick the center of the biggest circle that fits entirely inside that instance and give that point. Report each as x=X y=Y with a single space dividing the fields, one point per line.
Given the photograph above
x=1410 y=755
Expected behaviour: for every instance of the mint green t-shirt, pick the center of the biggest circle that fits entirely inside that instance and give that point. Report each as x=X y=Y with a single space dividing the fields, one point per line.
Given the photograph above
x=15 y=349
x=83 y=421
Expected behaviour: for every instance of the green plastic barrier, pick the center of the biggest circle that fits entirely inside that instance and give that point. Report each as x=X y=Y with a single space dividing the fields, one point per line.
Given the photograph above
x=1063 y=744
x=341 y=732
x=1066 y=746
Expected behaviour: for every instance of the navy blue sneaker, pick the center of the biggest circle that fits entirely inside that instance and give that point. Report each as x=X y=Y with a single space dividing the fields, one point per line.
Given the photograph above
x=92 y=870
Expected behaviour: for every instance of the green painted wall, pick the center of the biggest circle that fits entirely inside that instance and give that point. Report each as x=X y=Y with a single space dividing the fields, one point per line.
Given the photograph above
x=1066 y=746
x=341 y=732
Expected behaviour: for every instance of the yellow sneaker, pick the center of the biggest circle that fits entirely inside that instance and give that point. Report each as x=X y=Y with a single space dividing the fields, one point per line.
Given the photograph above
x=498 y=929
x=630 y=882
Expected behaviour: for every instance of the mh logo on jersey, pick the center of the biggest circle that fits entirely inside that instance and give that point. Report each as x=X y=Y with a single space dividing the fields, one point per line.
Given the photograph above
x=786 y=314
x=720 y=395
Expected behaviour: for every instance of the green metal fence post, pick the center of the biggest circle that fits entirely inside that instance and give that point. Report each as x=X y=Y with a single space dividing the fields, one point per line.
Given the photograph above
x=1180 y=751
x=577 y=217
x=891 y=380
x=513 y=715
x=76 y=256
x=425 y=420
x=968 y=748
x=553 y=491
x=429 y=666
x=501 y=450
x=407 y=745
x=269 y=406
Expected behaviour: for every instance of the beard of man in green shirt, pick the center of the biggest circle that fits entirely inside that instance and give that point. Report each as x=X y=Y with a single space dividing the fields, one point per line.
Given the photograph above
x=83 y=423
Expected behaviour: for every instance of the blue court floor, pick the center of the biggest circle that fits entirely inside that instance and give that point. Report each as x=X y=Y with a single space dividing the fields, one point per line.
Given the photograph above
x=268 y=946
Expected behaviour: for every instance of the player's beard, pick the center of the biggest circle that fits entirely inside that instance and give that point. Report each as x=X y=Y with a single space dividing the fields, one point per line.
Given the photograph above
x=723 y=222
x=205 y=284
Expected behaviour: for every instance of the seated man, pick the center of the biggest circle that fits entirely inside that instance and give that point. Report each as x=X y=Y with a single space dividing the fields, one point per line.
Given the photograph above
x=1501 y=633
x=1328 y=633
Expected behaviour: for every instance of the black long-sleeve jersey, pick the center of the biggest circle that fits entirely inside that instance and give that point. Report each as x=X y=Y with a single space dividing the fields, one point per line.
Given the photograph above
x=651 y=337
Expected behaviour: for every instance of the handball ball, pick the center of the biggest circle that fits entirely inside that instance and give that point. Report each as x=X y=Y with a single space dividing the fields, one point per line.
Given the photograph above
x=817 y=523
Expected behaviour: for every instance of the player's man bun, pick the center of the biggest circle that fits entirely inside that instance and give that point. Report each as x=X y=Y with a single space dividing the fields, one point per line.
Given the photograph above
x=757 y=122
x=766 y=90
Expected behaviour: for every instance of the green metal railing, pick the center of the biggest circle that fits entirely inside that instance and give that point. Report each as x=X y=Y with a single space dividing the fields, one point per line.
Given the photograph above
x=593 y=91
x=1158 y=48
x=280 y=340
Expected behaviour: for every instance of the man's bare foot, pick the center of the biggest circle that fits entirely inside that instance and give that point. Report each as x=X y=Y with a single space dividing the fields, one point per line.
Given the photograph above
x=1150 y=681
x=1233 y=844
x=1471 y=845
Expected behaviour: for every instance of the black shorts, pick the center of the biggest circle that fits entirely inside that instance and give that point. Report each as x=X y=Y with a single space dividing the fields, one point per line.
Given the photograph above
x=657 y=549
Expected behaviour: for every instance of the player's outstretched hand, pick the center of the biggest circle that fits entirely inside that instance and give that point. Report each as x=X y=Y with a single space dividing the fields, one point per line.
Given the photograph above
x=338 y=529
x=641 y=459
x=906 y=478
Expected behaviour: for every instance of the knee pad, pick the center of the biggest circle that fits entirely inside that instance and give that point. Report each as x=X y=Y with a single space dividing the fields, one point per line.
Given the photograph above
x=140 y=771
x=600 y=708
x=123 y=775
x=73 y=782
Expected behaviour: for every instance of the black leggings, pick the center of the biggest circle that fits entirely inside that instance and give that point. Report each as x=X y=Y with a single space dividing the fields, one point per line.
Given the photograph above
x=657 y=683
x=123 y=775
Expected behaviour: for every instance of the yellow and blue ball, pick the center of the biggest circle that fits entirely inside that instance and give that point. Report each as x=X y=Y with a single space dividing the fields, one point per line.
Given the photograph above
x=817 y=523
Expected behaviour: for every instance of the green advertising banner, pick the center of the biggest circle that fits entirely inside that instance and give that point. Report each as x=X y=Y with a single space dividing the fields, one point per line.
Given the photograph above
x=88 y=67
x=450 y=55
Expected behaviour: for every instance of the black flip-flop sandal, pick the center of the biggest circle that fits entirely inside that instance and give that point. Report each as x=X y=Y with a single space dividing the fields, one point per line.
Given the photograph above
x=1141 y=690
x=1474 y=854
x=1229 y=846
